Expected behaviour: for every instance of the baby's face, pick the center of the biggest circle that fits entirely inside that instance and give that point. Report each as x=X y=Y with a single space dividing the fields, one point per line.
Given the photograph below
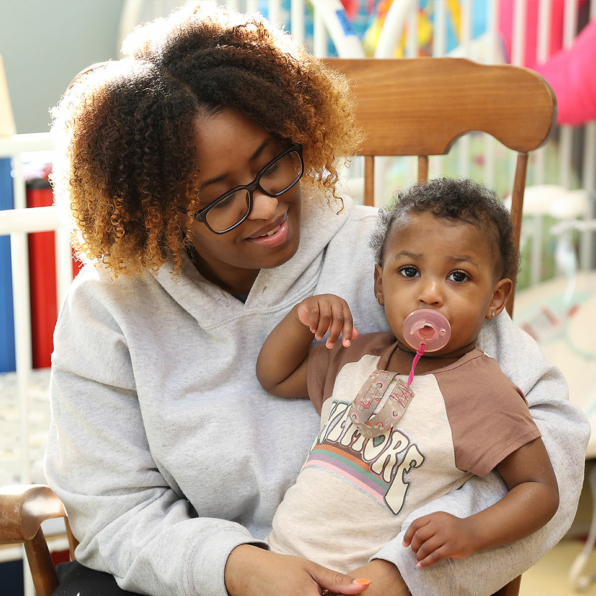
x=435 y=263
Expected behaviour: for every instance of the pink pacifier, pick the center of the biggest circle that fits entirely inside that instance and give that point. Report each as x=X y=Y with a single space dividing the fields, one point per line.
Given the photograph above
x=382 y=401
x=425 y=330
x=428 y=327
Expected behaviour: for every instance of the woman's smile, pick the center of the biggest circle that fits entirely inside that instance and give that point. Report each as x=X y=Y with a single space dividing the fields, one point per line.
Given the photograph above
x=274 y=234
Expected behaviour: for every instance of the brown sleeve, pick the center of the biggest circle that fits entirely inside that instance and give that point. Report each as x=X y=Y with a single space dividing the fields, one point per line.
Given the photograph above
x=488 y=414
x=324 y=364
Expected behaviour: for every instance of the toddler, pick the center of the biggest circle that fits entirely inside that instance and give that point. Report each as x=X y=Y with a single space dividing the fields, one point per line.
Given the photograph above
x=447 y=247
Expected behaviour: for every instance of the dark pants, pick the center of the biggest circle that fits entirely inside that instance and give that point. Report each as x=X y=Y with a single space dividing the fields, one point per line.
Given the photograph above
x=76 y=579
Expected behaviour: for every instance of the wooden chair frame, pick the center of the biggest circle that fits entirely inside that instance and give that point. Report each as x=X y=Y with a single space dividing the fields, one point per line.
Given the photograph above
x=421 y=106
x=22 y=510
x=418 y=106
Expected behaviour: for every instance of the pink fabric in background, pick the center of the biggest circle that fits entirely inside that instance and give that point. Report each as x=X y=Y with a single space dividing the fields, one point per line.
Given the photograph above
x=570 y=71
x=505 y=17
x=572 y=75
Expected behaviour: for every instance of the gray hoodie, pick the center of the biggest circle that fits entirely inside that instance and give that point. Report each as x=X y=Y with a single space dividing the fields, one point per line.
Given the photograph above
x=168 y=453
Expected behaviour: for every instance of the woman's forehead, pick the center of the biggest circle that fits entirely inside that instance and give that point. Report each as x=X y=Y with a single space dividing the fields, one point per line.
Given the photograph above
x=227 y=127
x=227 y=138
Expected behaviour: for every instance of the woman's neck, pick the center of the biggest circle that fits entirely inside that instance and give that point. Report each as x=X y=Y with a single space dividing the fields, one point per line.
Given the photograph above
x=237 y=282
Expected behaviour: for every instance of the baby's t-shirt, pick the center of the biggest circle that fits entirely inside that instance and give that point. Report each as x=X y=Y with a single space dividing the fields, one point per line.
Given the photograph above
x=353 y=494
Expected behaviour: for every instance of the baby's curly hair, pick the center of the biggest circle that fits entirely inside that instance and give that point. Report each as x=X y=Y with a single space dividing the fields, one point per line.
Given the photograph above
x=125 y=129
x=456 y=200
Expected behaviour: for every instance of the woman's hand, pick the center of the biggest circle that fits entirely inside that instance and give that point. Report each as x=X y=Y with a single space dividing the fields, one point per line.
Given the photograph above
x=440 y=536
x=386 y=579
x=328 y=312
x=253 y=571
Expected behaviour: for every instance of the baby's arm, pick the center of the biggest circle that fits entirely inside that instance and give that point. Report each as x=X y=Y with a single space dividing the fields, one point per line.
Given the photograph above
x=532 y=500
x=281 y=366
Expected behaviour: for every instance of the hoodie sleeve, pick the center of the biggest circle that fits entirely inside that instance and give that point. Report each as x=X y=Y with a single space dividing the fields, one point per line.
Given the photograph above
x=129 y=520
x=565 y=432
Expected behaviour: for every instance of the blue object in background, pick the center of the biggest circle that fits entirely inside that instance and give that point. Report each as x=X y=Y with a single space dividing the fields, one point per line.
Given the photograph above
x=7 y=348
x=11 y=578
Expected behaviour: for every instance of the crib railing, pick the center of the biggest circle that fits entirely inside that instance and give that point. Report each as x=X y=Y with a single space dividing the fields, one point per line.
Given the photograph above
x=17 y=223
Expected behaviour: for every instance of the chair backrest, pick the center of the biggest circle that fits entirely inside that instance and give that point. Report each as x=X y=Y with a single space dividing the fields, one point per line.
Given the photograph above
x=421 y=106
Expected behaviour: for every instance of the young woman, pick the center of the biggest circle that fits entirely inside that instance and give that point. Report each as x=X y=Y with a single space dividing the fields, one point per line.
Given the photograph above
x=199 y=172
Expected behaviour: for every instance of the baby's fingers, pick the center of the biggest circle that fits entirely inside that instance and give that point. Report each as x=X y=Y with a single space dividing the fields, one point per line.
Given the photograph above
x=323 y=321
x=416 y=525
x=434 y=556
x=338 y=323
x=308 y=314
x=349 y=332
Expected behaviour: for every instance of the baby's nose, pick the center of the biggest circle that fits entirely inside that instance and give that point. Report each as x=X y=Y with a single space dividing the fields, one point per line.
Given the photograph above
x=430 y=293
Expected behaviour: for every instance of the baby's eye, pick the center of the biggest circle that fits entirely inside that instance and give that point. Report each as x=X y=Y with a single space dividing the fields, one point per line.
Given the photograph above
x=458 y=276
x=409 y=271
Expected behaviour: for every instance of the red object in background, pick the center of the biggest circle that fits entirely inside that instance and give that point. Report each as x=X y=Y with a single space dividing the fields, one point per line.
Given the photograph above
x=62 y=556
x=42 y=279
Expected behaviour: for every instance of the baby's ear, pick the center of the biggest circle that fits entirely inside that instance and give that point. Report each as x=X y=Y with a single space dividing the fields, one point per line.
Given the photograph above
x=501 y=292
x=379 y=284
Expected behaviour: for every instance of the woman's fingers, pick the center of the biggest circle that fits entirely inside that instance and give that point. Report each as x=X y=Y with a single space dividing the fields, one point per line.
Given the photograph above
x=338 y=583
x=252 y=571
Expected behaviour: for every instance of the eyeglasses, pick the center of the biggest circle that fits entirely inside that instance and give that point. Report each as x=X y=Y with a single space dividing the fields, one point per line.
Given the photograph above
x=230 y=209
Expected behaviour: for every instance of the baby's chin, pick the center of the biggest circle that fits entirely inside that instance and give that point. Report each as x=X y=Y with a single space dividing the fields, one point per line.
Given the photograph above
x=449 y=351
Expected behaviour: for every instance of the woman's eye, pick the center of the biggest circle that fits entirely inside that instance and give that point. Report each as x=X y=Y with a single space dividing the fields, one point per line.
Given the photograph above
x=271 y=170
x=223 y=204
x=409 y=271
x=458 y=276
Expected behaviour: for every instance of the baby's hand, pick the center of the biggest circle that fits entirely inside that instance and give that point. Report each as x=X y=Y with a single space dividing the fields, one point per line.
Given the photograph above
x=440 y=536
x=328 y=312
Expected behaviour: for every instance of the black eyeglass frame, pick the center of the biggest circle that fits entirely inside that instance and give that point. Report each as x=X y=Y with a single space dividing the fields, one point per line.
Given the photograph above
x=201 y=214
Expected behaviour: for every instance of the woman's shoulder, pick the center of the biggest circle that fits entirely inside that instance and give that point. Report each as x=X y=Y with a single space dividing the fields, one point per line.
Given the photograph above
x=97 y=280
x=97 y=293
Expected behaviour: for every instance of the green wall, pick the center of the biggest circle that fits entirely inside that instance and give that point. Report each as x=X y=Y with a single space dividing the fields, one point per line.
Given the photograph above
x=44 y=43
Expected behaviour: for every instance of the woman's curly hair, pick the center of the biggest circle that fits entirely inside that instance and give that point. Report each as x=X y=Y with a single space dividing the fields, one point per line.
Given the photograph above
x=455 y=200
x=125 y=129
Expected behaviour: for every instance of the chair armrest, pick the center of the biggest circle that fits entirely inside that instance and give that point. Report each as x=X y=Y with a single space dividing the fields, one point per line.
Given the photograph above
x=23 y=508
